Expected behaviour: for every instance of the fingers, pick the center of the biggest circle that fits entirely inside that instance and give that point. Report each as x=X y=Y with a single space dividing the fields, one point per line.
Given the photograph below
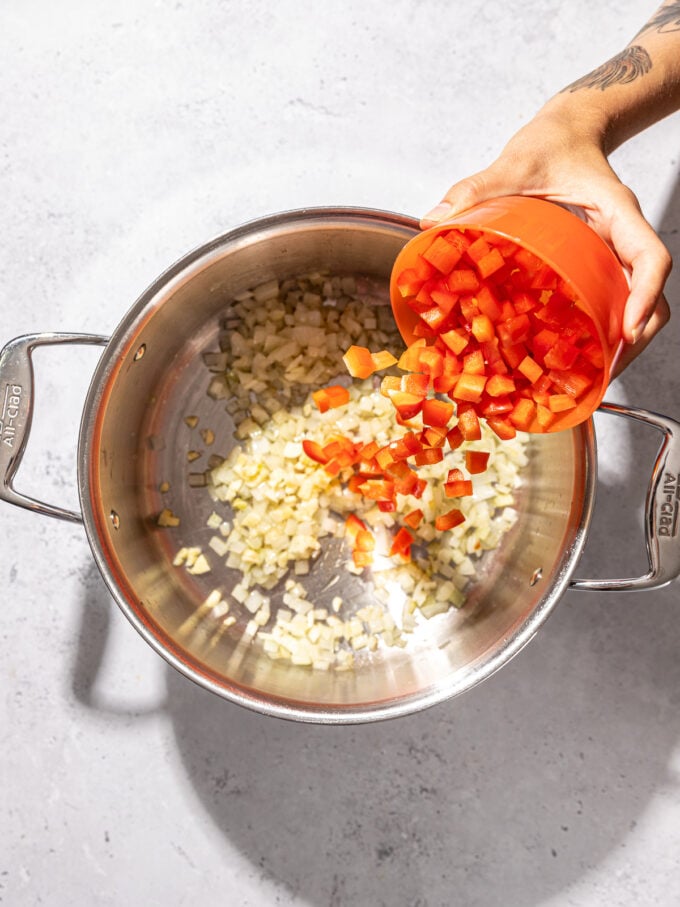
x=642 y=253
x=657 y=320
x=465 y=194
x=650 y=268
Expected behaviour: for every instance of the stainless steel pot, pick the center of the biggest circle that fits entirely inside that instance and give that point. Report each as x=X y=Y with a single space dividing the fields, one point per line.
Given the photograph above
x=146 y=381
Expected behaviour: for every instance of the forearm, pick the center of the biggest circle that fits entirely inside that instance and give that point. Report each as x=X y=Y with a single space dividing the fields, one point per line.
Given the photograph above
x=636 y=88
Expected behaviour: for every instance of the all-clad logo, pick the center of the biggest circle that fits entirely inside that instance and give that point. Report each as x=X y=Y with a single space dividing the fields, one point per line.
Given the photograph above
x=11 y=403
x=670 y=505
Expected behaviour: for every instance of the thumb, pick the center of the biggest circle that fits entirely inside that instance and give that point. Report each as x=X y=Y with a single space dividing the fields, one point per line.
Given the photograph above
x=465 y=194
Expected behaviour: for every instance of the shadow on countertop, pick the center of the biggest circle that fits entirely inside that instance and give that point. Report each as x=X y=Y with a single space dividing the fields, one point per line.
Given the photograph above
x=506 y=795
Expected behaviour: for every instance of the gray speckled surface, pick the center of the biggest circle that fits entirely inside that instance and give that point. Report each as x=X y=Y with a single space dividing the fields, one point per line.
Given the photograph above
x=131 y=133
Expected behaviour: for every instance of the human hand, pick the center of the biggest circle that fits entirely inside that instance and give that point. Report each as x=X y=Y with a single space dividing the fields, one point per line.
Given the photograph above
x=560 y=157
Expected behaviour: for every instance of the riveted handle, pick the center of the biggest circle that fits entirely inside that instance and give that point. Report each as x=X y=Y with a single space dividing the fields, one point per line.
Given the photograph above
x=16 y=413
x=662 y=509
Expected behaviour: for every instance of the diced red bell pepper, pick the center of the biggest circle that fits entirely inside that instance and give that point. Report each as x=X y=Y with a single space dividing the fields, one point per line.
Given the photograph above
x=476 y=461
x=414 y=518
x=356 y=481
x=560 y=403
x=571 y=382
x=456 y=341
x=434 y=436
x=493 y=359
x=499 y=385
x=488 y=303
x=431 y=361
x=422 y=302
x=364 y=541
x=478 y=249
x=444 y=298
x=502 y=427
x=314 y=451
x=544 y=416
x=459 y=489
x=494 y=406
x=434 y=318
x=408 y=361
x=401 y=543
x=369 y=450
x=469 y=387
x=592 y=353
x=382 y=360
x=523 y=414
x=398 y=470
x=362 y=558
x=460 y=240
x=468 y=423
x=330 y=397
x=527 y=261
x=420 y=486
x=445 y=382
x=340 y=445
x=462 y=281
x=384 y=457
x=544 y=279
x=353 y=525
x=514 y=354
x=387 y=506
x=429 y=456
x=442 y=254
x=543 y=342
x=455 y=438
x=423 y=268
x=449 y=520
x=473 y=363
x=412 y=443
x=389 y=384
x=415 y=383
x=337 y=395
x=518 y=328
x=409 y=282
x=437 y=412
x=332 y=467
x=407 y=405
x=359 y=362
x=378 y=489
x=482 y=328
x=468 y=309
x=399 y=451
x=424 y=330
x=408 y=484
x=491 y=263
x=562 y=355
x=524 y=302
x=531 y=370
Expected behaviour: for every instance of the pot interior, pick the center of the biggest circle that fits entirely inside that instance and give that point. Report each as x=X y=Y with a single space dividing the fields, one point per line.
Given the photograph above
x=134 y=439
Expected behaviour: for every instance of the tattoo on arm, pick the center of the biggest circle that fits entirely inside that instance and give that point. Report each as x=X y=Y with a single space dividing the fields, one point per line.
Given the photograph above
x=630 y=64
x=665 y=19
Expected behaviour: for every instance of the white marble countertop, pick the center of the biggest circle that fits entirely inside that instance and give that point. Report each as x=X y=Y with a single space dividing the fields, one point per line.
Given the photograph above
x=133 y=132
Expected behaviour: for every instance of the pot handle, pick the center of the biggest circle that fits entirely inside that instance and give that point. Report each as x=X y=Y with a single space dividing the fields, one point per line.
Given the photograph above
x=16 y=413
x=662 y=509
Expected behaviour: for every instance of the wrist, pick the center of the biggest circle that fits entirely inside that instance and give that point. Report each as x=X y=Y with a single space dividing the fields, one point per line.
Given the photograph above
x=586 y=118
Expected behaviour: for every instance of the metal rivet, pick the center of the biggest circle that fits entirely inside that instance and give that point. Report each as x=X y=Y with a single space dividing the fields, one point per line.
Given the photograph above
x=140 y=352
x=115 y=519
x=535 y=576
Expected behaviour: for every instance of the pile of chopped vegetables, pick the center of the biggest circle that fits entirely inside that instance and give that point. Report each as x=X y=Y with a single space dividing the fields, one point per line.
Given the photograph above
x=499 y=331
x=411 y=498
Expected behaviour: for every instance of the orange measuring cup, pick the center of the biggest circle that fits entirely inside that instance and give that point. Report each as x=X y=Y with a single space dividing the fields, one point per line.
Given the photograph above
x=520 y=256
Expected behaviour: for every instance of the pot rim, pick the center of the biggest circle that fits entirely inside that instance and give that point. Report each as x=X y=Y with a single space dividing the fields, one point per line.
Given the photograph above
x=95 y=403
